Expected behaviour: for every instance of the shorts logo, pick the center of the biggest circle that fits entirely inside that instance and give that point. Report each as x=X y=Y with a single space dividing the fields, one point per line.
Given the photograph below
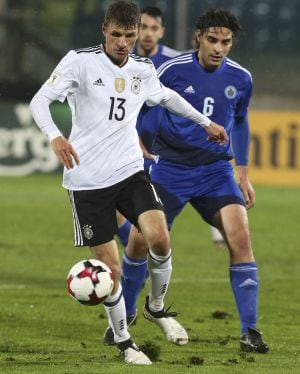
x=88 y=232
x=136 y=85
x=230 y=92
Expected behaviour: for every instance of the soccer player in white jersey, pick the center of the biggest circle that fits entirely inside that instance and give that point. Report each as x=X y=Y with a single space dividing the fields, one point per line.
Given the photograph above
x=103 y=164
x=152 y=29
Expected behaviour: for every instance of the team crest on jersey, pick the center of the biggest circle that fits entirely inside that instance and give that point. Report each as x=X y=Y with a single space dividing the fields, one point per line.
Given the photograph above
x=54 y=78
x=88 y=232
x=119 y=84
x=230 y=92
x=136 y=85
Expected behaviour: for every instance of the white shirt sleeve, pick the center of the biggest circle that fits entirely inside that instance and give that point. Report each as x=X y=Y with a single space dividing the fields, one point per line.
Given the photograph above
x=171 y=100
x=178 y=105
x=40 y=110
x=64 y=80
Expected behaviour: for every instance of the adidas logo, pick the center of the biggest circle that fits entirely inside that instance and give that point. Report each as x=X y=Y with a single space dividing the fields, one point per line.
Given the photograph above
x=189 y=89
x=98 y=82
x=248 y=282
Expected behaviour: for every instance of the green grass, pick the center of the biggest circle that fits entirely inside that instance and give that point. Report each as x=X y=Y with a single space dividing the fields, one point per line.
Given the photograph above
x=42 y=330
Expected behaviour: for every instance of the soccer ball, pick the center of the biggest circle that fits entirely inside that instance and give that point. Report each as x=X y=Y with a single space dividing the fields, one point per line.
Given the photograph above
x=90 y=282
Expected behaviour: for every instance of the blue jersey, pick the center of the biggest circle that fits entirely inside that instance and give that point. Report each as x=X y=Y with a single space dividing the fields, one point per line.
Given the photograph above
x=223 y=95
x=148 y=121
x=163 y=54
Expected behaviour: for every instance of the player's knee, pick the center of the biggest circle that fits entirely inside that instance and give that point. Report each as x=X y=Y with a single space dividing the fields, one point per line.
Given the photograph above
x=160 y=243
x=240 y=246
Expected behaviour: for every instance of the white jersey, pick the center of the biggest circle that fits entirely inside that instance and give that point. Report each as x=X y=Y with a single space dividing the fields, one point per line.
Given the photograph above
x=105 y=100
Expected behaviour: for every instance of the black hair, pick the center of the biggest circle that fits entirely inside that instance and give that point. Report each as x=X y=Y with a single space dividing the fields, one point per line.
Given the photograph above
x=154 y=12
x=123 y=13
x=218 y=18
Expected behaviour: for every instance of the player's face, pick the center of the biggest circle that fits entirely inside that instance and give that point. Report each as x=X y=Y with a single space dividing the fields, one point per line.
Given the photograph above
x=119 y=41
x=151 y=31
x=215 y=45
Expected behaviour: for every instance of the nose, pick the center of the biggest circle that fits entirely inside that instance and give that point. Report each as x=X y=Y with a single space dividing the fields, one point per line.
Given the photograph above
x=218 y=47
x=122 y=42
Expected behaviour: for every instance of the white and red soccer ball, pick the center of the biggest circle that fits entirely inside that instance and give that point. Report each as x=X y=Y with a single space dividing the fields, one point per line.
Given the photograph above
x=90 y=282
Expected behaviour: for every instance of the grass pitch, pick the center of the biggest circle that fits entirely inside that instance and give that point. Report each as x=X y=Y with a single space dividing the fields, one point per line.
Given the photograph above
x=42 y=330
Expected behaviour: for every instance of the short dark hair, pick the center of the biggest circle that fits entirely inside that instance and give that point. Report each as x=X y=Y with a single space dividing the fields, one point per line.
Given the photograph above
x=154 y=12
x=123 y=13
x=218 y=18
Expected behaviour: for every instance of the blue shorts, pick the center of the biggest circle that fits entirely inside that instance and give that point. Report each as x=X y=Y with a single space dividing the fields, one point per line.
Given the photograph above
x=207 y=187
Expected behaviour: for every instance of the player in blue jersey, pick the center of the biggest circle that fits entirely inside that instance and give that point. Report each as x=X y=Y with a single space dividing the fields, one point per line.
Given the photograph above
x=193 y=170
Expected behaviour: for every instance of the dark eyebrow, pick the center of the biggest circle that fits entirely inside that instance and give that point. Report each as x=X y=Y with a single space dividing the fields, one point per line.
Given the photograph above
x=216 y=39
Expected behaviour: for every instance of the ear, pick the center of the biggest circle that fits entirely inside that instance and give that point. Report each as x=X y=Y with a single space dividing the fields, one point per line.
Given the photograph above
x=103 y=29
x=163 y=29
x=197 y=36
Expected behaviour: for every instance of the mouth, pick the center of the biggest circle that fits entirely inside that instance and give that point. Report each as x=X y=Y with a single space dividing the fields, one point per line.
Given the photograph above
x=216 y=58
x=147 y=42
x=121 y=52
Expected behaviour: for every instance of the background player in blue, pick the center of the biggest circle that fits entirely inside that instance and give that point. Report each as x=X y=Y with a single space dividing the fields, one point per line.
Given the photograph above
x=199 y=172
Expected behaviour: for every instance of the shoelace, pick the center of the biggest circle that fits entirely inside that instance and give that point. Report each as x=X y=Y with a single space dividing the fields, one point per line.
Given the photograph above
x=166 y=312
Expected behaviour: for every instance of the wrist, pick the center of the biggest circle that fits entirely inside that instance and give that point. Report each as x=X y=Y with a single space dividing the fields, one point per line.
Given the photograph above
x=206 y=122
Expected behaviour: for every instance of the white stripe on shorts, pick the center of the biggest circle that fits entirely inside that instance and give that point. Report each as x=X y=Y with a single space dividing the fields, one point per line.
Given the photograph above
x=78 y=241
x=155 y=194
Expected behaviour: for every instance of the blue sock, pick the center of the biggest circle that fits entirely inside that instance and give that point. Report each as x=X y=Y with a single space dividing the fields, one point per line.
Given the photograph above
x=132 y=279
x=123 y=232
x=244 y=283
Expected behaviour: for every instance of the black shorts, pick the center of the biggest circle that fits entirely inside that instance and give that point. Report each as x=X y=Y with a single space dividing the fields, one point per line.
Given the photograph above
x=94 y=211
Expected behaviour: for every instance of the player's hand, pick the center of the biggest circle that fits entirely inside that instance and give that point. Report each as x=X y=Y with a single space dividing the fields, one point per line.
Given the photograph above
x=248 y=192
x=217 y=133
x=65 y=152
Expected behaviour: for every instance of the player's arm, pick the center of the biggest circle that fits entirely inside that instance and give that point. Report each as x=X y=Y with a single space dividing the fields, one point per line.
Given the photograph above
x=240 y=142
x=63 y=80
x=40 y=109
x=178 y=105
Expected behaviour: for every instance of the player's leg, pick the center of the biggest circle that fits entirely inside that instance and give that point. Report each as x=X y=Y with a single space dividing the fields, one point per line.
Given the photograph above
x=114 y=304
x=154 y=229
x=243 y=273
x=149 y=217
x=123 y=228
x=95 y=226
x=134 y=270
x=134 y=266
x=223 y=206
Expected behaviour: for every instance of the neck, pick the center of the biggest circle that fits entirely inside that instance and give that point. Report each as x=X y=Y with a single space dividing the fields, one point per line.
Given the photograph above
x=205 y=66
x=113 y=60
x=147 y=53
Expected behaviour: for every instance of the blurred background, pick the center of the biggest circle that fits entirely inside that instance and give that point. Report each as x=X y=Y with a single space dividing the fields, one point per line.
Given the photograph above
x=35 y=34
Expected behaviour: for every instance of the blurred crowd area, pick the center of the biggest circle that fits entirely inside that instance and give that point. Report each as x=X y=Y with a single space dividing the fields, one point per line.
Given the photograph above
x=35 y=34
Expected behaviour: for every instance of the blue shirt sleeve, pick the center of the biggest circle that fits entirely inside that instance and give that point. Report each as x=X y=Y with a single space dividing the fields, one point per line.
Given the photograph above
x=240 y=137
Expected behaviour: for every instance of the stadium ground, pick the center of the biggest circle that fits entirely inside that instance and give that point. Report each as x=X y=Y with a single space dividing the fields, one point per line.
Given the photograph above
x=42 y=330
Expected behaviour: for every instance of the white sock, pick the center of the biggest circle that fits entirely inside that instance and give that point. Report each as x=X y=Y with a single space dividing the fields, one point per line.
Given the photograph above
x=115 y=308
x=216 y=235
x=160 y=269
